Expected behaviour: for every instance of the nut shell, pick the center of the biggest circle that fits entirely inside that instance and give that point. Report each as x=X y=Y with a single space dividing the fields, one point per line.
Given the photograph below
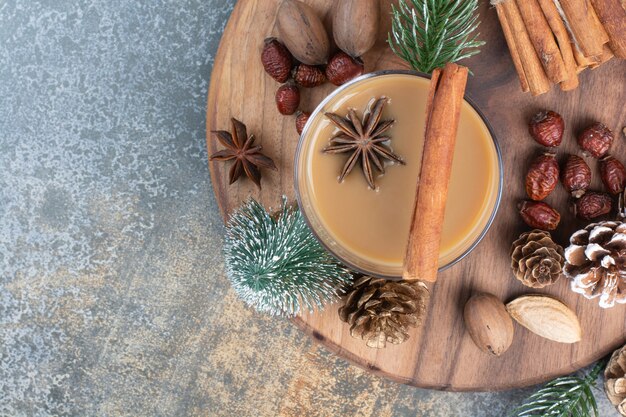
x=613 y=174
x=355 y=25
x=542 y=176
x=595 y=140
x=277 y=60
x=287 y=99
x=592 y=205
x=539 y=215
x=546 y=127
x=308 y=76
x=342 y=68
x=303 y=32
x=546 y=317
x=576 y=176
x=488 y=323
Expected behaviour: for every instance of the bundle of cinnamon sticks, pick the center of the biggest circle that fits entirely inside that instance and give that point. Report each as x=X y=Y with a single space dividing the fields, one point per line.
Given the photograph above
x=552 y=41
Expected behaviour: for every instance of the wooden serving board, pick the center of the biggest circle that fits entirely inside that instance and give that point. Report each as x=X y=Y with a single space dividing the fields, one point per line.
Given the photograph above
x=440 y=354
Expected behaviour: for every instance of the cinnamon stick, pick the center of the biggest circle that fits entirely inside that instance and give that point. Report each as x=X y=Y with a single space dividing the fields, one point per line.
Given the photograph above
x=542 y=40
x=538 y=81
x=565 y=46
x=513 y=48
x=537 y=78
x=582 y=21
x=582 y=61
x=443 y=110
x=612 y=15
x=607 y=54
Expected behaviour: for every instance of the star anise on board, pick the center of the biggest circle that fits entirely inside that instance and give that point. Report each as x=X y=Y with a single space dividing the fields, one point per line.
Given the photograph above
x=247 y=158
x=364 y=140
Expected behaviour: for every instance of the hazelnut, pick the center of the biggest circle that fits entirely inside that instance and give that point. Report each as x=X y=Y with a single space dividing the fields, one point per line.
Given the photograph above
x=592 y=205
x=576 y=176
x=276 y=60
x=542 y=176
x=613 y=174
x=546 y=127
x=308 y=76
x=287 y=99
x=342 y=68
x=539 y=215
x=301 y=119
x=595 y=140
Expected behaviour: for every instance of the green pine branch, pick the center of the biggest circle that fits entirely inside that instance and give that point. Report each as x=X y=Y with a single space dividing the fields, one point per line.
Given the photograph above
x=568 y=396
x=428 y=34
x=276 y=265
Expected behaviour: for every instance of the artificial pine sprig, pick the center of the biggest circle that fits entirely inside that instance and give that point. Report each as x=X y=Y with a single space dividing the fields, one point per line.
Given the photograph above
x=275 y=263
x=568 y=396
x=431 y=33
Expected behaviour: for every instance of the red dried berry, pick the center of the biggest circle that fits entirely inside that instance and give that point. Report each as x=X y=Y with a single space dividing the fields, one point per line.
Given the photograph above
x=287 y=99
x=576 y=176
x=542 y=176
x=301 y=119
x=613 y=174
x=276 y=60
x=308 y=76
x=592 y=205
x=596 y=140
x=546 y=127
x=342 y=68
x=539 y=215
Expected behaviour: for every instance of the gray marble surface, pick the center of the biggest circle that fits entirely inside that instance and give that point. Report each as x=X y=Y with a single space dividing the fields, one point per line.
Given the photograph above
x=113 y=299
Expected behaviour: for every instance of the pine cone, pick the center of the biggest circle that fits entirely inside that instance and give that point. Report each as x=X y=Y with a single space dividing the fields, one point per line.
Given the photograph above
x=615 y=380
x=595 y=261
x=536 y=260
x=380 y=311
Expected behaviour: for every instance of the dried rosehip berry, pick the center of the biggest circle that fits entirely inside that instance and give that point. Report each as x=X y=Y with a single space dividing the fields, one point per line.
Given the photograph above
x=592 y=205
x=542 y=176
x=613 y=174
x=595 y=140
x=308 y=76
x=342 y=68
x=539 y=215
x=301 y=119
x=576 y=176
x=288 y=98
x=546 y=127
x=276 y=60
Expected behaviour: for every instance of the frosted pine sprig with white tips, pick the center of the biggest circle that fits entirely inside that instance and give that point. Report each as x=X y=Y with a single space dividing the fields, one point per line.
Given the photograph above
x=276 y=265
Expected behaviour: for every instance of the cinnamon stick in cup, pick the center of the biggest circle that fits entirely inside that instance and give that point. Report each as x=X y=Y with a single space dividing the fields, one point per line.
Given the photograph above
x=443 y=109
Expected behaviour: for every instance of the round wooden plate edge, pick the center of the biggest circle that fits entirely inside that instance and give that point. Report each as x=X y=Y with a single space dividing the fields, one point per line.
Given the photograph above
x=355 y=360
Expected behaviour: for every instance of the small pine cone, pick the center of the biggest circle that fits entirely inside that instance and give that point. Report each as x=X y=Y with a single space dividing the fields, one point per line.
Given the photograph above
x=615 y=380
x=536 y=260
x=595 y=261
x=380 y=311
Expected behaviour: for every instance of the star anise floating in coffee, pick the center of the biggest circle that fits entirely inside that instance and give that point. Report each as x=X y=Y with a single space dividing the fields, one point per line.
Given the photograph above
x=247 y=158
x=364 y=140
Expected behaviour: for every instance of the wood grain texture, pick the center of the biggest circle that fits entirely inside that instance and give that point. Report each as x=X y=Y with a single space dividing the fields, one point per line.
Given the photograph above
x=440 y=354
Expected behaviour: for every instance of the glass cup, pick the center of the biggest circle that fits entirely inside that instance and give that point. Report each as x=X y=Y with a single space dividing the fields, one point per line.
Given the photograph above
x=305 y=171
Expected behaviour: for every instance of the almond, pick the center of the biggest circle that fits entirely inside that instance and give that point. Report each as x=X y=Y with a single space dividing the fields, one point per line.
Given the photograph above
x=546 y=317
x=488 y=323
